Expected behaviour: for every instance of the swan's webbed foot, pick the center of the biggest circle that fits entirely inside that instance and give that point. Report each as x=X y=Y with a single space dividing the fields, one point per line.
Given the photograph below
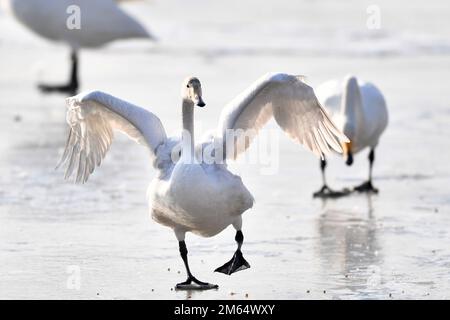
x=237 y=263
x=326 y=192
x=193 y=284
x=70 y=89
x=366 y=187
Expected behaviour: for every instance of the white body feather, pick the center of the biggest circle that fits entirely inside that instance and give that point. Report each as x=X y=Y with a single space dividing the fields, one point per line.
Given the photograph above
x=199 y=198
x=365 y=119
x=102 y=21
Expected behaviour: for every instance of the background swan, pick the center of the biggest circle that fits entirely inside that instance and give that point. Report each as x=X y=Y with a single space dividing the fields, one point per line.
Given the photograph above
x=359 y=109
x=101 y=21
x=190 y=194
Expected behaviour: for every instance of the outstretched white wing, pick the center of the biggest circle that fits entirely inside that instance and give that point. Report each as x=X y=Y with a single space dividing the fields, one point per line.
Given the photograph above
x=92 y=118
x=295 y=108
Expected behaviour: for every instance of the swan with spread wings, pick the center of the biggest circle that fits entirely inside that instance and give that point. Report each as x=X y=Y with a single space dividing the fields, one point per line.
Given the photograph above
x=190 y=194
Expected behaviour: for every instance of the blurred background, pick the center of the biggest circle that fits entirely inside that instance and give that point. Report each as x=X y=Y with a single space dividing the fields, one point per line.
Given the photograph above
x=393 y=245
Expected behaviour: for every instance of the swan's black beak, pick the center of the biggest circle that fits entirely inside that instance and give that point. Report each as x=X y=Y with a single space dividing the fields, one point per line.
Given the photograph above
x=201 y=103
x=349 y=160
x=348 y=153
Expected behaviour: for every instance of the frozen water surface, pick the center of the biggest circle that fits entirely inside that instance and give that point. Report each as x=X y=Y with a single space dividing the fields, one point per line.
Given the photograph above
x=393 y=245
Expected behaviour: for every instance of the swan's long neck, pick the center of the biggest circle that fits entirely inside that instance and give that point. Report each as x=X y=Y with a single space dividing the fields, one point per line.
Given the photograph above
x=352 y=109
x=188 y=129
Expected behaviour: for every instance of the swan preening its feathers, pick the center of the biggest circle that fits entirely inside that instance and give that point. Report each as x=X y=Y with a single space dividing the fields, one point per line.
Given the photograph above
x=100 y=22
x=359 y=110
x=93 y=117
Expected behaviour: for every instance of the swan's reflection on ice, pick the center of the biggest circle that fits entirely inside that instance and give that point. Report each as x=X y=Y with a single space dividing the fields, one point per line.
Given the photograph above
x=348 y=246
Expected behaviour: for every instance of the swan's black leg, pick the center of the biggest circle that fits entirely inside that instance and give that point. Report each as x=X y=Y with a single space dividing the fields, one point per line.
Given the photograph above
x=325 y=191
x=237 y=263
x=72 y=87
x=367 y=186
x=191 y=283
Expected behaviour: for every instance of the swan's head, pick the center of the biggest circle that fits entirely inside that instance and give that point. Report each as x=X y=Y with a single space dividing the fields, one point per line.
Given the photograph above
x=192 y=91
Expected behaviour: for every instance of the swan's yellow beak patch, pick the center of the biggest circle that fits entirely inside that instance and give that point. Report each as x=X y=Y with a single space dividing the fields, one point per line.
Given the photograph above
x=347 y=148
